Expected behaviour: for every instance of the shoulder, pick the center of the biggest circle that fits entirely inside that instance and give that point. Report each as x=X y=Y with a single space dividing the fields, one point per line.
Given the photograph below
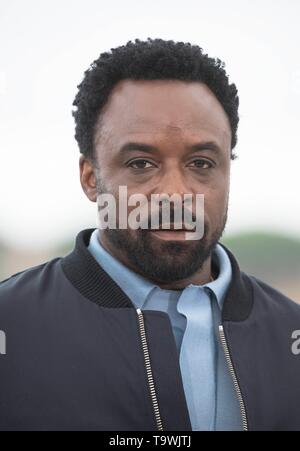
x=265 y=296
x=25 y=284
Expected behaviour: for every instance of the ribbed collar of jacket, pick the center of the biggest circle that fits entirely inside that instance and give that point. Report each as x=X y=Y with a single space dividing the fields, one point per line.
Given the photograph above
x=95 y=284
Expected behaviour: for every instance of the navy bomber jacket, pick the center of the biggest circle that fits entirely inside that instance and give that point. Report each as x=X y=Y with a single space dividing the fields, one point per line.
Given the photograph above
x=79 y=356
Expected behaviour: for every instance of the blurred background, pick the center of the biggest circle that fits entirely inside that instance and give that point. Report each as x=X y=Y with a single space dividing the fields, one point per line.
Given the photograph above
x=45 y=48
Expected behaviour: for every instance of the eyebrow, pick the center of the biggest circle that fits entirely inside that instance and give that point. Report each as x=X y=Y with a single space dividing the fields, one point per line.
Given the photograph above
x=135 y=146
x=132 y=146
x=209 y=145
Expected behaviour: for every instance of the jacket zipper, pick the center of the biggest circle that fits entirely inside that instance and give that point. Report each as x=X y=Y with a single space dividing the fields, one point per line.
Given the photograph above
x=234 y=378
x=149 y=370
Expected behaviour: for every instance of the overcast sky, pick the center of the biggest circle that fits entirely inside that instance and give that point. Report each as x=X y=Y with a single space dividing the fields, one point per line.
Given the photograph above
x=47 y=45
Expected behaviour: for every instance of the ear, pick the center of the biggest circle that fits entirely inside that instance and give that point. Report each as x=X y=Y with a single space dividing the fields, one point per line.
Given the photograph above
x=88 y=178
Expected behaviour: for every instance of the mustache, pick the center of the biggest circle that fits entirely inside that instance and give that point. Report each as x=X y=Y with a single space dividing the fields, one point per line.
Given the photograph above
x=176 y=220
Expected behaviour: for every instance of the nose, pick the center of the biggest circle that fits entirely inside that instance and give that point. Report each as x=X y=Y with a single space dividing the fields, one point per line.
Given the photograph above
x=173 y=181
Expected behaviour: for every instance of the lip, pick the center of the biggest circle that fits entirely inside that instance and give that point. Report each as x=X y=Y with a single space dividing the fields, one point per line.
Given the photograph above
x=170 y=234
x=171 y=228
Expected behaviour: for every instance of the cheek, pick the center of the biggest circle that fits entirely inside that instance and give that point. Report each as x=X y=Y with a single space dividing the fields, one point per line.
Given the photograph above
x=215 y=204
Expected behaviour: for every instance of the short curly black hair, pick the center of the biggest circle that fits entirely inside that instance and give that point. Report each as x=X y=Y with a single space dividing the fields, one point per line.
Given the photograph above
x=154 y=59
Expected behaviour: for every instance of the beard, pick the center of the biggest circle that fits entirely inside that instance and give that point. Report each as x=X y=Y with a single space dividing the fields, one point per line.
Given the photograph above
x=160 y=260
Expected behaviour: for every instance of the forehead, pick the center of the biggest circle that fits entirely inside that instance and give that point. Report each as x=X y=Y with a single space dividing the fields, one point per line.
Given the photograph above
x=163 y=107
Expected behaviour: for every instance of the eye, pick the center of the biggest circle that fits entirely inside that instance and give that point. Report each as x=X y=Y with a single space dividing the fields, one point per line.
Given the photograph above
x=140 y=164
x=200 y=163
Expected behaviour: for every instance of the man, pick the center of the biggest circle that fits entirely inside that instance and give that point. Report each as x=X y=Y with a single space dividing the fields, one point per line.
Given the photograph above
x=141 y=328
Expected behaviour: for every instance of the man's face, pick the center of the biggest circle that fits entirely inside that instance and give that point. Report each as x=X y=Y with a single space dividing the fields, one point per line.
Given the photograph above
x=164 y=136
